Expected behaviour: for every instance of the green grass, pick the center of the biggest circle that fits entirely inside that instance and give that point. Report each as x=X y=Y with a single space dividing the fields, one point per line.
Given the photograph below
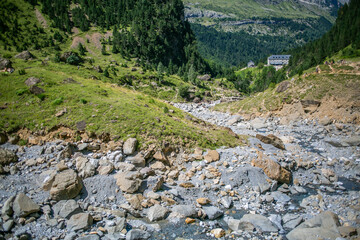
x=108 y=108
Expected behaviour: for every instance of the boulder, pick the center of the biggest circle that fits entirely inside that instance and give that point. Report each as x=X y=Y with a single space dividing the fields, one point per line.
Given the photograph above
x=260 y=222
x=160 y=156
x=66 y=209
x=236 y=225
x=158 y=166
x=25 y=55
x=4 y=63
x=129 y=181
x=67 y=184
x=46 y=179
x=106 y=169
x=137 y=234
x=283 y=86
x=157 y=212
x=271 y=168
x=203 y=201
x=84 y=167
x=154 y=183
x=271 y=139
x=36 y=90
x=7 y=208
x=291 y=221
x=7 y=157
x=234 y=120
x=324 y=226
x=23 y=205
x=134 y=200
x=80 y=221
x=138 y=160
x=218 y=232
x=130 y=146
x=213 y=212
x=212 y=156
x=184 y=211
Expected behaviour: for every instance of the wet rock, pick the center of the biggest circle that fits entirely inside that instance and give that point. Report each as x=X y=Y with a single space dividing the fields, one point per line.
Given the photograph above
x=323 y=225
x=25 y=55
x=271 y=168
x=67 y=184
x=7 y=157
x=23 y=205
x=137 y=234
x=271 y=139
x=184 y=211
x=218 y=232
x=80 y=221
x=213 y=212
x=130 y=146
x=260 y=222
x=66 y=209
x=129 y=181
x=157 y=213
x=212 y=156
x=7 y=208
x=137 y=161
x=31 y=81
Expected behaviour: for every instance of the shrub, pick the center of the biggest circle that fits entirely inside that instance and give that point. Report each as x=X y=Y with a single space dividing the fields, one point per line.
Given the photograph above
x=41 y=96
x=22 y=142
x=166 y=109
x=22 y=72
x=58 y=101
x=83 y=101
x=73 y=59
x=184 y=91
x=21 y=91
x=7 y=55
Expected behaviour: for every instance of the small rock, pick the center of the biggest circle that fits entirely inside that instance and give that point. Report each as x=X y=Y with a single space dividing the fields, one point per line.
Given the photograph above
x=213 y=212
x=260 y=222
x=137 y=234
x=157 y=213
x=184 y=211
x=137 y=161
x=212 y=156
x=203 y=201
x=189 y=220
x=187 y=185
x=7 y=208
x=66 y=209
x=218 y=232
x=8 y=225
x=7 y=157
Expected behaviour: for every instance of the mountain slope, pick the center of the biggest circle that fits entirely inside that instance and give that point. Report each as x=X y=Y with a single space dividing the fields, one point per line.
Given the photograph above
x=266 y=27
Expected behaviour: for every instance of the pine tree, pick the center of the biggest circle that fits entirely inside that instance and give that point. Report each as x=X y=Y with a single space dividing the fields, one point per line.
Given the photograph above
x=82 y=49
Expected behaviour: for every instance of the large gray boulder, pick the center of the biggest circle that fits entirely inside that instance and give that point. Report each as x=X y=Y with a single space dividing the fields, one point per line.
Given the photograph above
x=24 y=206
x=322 y=226
x=260 y=222
x=66 y=209
x=67 y=185
x=213 y=212
x=80 y=221
x=137 y=234
x=128 y=181
x=184 y=211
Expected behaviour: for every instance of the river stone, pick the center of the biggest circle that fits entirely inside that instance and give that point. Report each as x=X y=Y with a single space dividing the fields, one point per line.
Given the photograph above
x=46 y=179
x=7 y=208
x=226 y=202
x=260 y=222
x=280 y=197
x=157 y=213
x=8 y=225
x=31 y=81
x=106 y=169
x=212 y=156
x=291 y=220
x=80 y=221
x=271 y=168
x=137 y=234
x=323 y=225
x=213 y=212
x=236 y=225
x=84 y=167
x=129 y=181
x=184 y=211
x=23 y=205
x=66 y=209
x=130 y=146
x=7 y=157
x=67 y=185
x=249 y=176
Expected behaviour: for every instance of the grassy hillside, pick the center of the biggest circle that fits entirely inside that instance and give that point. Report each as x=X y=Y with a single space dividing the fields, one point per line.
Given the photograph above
x=334 y=86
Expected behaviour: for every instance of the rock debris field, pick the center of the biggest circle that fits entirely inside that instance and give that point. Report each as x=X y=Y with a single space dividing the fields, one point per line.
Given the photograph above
x=296 y=181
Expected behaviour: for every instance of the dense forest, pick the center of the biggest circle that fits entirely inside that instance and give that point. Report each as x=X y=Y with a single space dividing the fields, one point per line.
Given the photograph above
x=342 y=34
x=237 y=48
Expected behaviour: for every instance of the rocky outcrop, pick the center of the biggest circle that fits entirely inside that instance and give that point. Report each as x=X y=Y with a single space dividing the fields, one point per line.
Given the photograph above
x=128 y=181
x=25 y=55
x=4 y=63
x=7 y=157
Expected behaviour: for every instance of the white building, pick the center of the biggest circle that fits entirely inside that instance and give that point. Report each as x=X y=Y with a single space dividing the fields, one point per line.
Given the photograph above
x=278 y=61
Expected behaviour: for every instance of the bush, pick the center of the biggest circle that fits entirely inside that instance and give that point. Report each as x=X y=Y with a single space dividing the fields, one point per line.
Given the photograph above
x=22 y=72
x=83 y=101
x=184 y=91
x=7 y=55
x=41 y=96
x=73 y=59
x=21 y=91
x=58 y=101
x=166 y=109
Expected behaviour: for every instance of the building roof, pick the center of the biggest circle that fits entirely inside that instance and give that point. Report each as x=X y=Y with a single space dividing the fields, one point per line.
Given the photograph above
x=279 y=57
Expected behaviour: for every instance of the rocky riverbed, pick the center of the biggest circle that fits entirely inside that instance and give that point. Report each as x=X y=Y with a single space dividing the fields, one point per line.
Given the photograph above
x=296 y=181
